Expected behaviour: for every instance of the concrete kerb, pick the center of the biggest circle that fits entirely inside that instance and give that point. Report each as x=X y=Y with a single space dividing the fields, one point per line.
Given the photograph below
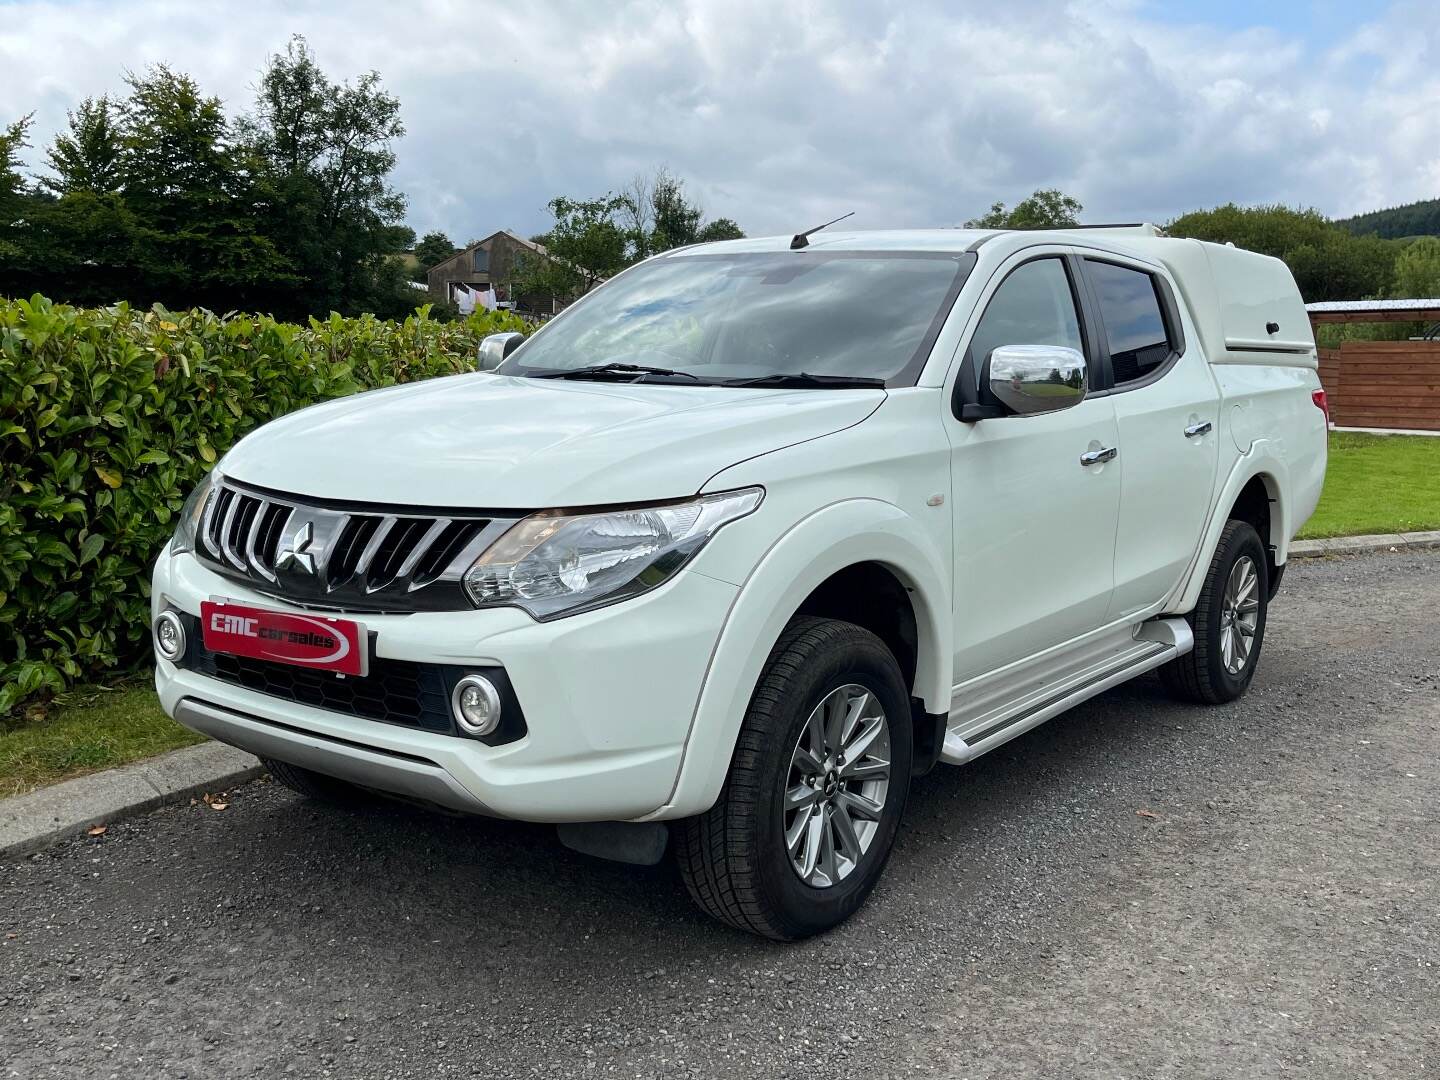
x=41 y=818
x=1352 y=545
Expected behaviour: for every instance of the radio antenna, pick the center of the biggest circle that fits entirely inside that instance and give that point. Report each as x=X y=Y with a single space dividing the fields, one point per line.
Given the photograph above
x=802 y=239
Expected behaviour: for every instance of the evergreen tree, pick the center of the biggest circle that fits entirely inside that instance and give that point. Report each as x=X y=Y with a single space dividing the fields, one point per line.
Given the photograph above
x=89 y=155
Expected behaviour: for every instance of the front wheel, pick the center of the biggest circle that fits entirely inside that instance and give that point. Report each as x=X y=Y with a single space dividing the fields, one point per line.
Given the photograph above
x=816 y=789
x=1228 y=621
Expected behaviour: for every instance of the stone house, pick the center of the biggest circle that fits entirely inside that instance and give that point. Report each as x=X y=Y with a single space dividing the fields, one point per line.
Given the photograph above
x=492 y=264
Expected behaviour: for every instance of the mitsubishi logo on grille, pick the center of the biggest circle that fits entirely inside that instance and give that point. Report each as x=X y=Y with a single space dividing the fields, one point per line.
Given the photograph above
x=296 y=554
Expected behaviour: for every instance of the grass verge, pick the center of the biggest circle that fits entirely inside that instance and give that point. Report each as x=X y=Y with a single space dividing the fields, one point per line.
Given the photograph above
x=83 y=731
x=1378 y=484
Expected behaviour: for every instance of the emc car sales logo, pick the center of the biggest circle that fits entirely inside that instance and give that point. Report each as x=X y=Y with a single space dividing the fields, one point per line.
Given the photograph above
x=222 y=623
x=326 y=644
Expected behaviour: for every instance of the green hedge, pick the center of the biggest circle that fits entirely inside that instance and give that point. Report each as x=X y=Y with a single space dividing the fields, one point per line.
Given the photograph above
x=109 y=417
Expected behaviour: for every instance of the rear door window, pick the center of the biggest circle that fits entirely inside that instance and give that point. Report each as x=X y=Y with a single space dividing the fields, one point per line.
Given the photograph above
x=1130 y=311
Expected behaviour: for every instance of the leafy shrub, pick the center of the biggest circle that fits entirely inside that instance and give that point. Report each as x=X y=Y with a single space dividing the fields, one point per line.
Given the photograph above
x=108 y=418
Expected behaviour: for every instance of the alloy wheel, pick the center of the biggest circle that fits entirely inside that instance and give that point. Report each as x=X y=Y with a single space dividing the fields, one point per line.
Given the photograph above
x=837 y=786
x=1239 y=615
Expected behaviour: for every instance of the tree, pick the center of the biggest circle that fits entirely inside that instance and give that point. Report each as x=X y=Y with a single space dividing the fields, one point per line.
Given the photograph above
x=1413 y=219
x=89 y=155
x=588 y=243
x=13 y=139
x=433 y=249
x=661 y=216
x=675 y=219
x=158 y=196
x=323 y=152
x=184 y=178
x=1047 y=208
x=178 y=157
x=87 y=249
x=1417 y=270
x=1329 y=263
x=720 y=229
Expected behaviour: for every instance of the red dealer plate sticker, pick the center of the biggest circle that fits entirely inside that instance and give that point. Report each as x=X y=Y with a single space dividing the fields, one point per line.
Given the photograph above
x=303 y=640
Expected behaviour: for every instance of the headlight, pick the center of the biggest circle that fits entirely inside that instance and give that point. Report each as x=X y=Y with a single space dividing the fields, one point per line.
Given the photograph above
x=190 y=514
x=557 y=563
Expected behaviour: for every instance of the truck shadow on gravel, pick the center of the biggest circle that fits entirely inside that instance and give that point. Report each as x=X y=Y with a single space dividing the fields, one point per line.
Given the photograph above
x=972 y=837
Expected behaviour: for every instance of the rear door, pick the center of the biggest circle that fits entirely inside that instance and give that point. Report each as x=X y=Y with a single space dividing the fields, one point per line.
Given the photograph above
x=1166 y=406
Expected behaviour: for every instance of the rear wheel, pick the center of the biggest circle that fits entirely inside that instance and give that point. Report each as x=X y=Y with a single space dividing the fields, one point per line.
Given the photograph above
x=1228 y=622
x=817 y=786
x=314 y=785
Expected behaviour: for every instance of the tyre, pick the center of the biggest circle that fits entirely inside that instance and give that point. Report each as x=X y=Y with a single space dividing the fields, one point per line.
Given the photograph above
x=808 y=815
x=314 y=785
x=1228 y=622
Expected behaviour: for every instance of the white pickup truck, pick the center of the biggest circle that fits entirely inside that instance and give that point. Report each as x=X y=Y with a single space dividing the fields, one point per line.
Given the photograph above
x=754 y=533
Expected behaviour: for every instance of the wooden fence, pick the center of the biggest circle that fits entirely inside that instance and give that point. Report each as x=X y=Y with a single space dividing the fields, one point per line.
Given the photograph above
x=1383 y=384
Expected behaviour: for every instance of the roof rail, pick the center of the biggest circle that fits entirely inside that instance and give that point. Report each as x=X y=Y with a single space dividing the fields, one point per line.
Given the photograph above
x=1142 y=226
x=1130 y=228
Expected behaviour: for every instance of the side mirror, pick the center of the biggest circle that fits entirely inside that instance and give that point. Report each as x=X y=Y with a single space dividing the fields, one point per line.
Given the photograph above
x=1031 y=379
x=494 y=348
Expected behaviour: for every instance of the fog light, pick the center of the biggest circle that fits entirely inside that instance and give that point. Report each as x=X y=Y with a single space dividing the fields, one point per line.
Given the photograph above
x=169 y=635
x=476 y=704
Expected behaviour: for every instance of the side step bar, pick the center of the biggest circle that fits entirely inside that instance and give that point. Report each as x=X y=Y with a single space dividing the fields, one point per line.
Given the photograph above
x=1157 y=642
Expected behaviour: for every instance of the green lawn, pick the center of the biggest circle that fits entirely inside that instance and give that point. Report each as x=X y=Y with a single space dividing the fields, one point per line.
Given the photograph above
x=82 y=731
x=1378 y=484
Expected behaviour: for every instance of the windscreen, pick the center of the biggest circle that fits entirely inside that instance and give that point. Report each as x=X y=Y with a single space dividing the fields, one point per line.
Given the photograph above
x=749 y=315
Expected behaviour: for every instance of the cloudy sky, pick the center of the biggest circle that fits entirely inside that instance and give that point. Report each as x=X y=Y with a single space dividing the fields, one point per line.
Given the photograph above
x=781 y=113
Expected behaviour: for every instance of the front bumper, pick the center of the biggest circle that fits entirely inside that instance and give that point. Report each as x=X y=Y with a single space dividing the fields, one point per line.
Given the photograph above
x=608 y=698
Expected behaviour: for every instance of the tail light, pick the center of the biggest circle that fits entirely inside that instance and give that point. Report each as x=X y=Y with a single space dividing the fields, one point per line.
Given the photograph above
x=1321 y=402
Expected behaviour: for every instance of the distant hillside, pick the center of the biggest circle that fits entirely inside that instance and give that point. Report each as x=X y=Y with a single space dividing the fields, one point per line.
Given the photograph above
x=1413 y=219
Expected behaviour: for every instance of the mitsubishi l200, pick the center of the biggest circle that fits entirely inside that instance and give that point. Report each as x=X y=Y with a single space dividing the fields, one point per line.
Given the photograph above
x=729 y=551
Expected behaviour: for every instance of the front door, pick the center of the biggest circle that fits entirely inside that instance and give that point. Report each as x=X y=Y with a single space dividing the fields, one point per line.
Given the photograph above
x=1034 y=528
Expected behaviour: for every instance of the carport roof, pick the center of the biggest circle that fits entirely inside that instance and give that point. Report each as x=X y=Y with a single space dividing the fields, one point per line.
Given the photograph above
x=1340 y=311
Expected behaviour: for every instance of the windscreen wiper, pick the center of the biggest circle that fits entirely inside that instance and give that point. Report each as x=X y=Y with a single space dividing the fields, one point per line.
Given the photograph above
x=802 y=379
x=613 y=369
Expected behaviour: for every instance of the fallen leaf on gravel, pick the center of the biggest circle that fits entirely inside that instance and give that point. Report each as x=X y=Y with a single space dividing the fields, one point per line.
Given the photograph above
x=1147 y=813
x=96 y=830
x=218 y=805
x=11 y=937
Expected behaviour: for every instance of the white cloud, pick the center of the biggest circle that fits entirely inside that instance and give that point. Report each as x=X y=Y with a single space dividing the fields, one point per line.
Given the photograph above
x=781 y=114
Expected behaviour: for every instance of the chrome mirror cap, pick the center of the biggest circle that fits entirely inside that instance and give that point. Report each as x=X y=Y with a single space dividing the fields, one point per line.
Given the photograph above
x=1031 y=379
x=494 y=348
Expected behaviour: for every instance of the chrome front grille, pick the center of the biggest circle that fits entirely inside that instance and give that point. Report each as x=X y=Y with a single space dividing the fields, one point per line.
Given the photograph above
x=338 y=556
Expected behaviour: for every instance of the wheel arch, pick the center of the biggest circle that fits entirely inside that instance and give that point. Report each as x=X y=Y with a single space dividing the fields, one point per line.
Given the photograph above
x=848 y=545
x=1254 y=492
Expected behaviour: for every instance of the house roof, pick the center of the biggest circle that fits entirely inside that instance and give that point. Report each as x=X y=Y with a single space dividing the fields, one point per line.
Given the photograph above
x=539 y=249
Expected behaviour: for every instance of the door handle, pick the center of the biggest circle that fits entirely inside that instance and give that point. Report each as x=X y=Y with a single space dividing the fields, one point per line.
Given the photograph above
x=1097 y=457
x=1202 y=428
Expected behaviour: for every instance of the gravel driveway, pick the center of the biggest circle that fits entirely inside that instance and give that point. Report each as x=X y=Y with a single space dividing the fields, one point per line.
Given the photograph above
x=1137 y=889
